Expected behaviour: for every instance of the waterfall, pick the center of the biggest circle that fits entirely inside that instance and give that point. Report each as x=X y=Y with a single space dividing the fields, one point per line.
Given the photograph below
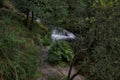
x=38 y=20
x=62 y=34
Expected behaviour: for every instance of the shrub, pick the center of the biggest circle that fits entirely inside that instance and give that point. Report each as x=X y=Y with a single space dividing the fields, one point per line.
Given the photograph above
x=46 y=40
x=60 y=51
x=106 y=64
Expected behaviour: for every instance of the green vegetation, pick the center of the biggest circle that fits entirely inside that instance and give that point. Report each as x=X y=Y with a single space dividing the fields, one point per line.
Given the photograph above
x=60 y=51
x=46 y=40
x=18 y=52
x=96 y=25
x=94 y=22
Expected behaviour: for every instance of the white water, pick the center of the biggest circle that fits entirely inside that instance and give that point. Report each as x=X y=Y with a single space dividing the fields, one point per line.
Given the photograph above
x=59 y=33
x=62 y=35
x=38 y=20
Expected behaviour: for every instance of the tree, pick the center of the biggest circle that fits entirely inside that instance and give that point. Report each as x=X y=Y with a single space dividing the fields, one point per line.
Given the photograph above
x=54 y=12
x=96 y=24
x=28 y=7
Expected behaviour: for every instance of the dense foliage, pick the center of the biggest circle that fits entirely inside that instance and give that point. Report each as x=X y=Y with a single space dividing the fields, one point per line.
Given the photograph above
x=60 y=51
x=46 y=41
x=94 y=22
x=96 y=25
x=18 y=55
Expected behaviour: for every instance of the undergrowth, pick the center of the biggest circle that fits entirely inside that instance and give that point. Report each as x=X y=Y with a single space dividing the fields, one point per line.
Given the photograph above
x=18 y=52
x=60 y=51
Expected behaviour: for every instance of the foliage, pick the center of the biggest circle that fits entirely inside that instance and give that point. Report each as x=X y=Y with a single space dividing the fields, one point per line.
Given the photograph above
x=24 y=4
x=18 y=56
x=60 y=51
x=46 y=40
x=98 y=40
x=96 y=25
x=52 y=11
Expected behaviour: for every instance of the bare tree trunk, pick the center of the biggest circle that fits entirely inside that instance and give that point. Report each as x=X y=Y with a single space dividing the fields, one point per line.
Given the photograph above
x=27 y=18
x=32 y=17
x=70 y=70
x=32 y=20
x=75 y=75
x=71 y=66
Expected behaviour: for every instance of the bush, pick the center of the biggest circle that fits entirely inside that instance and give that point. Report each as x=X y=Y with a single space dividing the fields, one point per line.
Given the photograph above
x=105 y=67
x=60 y=51
x=46 y=40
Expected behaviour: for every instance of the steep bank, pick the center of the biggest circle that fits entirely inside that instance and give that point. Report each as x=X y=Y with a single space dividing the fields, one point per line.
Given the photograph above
x=19 y=47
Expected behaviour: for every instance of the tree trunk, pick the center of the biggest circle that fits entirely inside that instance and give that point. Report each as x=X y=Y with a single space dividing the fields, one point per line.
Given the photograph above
x=75 y=75
x=27 y=18
x=70 y=70
x=71 y=66
x=32 y=20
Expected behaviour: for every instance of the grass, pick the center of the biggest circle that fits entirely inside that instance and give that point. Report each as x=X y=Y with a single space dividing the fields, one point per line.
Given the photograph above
x=19 y=58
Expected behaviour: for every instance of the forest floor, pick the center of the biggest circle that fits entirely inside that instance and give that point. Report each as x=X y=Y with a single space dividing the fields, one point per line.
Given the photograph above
x=47 y=71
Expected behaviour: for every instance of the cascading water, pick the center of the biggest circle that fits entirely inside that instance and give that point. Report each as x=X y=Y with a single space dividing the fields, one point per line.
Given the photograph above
x=59 y=33
x=38 y=20
x=62 y=34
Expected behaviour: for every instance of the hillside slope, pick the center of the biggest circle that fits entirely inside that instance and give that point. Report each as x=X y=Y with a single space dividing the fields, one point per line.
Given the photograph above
x=19 y=47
